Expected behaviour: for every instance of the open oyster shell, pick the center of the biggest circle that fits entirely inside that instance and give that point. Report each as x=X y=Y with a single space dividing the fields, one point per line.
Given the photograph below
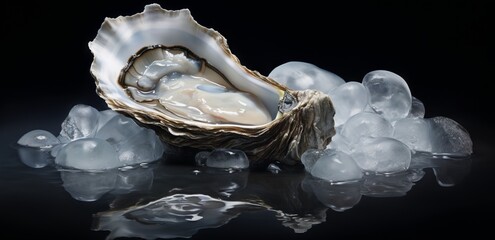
x=173 y=75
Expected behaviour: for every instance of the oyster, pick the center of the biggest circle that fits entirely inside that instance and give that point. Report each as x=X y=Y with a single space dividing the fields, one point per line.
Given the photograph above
x=179 y=78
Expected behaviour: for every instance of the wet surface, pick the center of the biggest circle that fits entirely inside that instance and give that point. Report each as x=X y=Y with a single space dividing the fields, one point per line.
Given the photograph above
x=173 y=198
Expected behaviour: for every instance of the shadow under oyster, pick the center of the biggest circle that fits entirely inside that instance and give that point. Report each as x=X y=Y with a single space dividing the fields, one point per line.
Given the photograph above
x=179 y=78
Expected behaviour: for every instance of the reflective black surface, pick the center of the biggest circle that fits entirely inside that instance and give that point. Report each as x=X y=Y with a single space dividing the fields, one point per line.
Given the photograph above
x=442 y=49
x=168 y=200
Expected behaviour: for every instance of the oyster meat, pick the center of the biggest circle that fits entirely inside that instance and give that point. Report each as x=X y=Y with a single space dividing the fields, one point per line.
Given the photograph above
x=179 y=78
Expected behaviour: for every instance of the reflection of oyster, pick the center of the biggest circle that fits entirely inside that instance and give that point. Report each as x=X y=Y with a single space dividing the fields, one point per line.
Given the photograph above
x=178 y=215
x=180 y=78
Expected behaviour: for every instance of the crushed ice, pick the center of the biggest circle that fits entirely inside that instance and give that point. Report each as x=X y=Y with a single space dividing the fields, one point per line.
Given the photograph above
x=91 y=140
x=379 y=124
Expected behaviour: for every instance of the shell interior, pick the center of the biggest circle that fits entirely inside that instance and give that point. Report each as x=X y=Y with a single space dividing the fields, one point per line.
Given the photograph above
x=136 y=42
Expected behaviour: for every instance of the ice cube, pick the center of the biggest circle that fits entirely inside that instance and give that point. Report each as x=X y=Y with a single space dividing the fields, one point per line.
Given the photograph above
x=302 y=76
x=81 y=122
x=134 y=144
x=88 y=154
x=382 y=155
x=414 y=132
x=38 y=139
x=336 y=166
x=118 y=128
x=143 y=147
x=105 y=116
x=389 y=94
x=368 y=108
x=417 y=109
x=227 y=159
x=340 y=143
x=449 y=137
x=348 y=100
x=309 y=158
x=366 y=124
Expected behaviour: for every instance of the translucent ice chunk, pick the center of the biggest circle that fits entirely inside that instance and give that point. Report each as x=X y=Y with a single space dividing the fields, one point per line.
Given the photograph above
x=449 y=137
x=414 y=132
x=38 y=139
x=134 y=144
x=105 y=116
x=118 y=128
x=389 y=94
x=227 y=158
x=340 y=143
x=348 y=100
x=88 y=154
x=382 y=155
x=336 y=166
x=439 y=135
x=309 y=158
x=417 y=109
x=368 y=108
x=54 y=151
x=366 y=124
x=302 y=76
x=143 y=147
x=81 y=122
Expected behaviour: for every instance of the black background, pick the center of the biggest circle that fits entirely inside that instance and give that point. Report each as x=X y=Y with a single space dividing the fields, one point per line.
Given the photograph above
x=443 y=49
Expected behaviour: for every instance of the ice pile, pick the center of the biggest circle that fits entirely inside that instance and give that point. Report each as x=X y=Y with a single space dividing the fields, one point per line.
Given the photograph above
x=379 y=124
x=92 y=140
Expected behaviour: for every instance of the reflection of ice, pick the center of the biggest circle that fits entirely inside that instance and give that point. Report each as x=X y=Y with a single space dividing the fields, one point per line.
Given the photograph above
x=395 y=185
x=300 y=223
x=191 y=198
x=34 y=157
x=448 y=170
x=90 y=186
x=178 y=215
x=338 y=197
